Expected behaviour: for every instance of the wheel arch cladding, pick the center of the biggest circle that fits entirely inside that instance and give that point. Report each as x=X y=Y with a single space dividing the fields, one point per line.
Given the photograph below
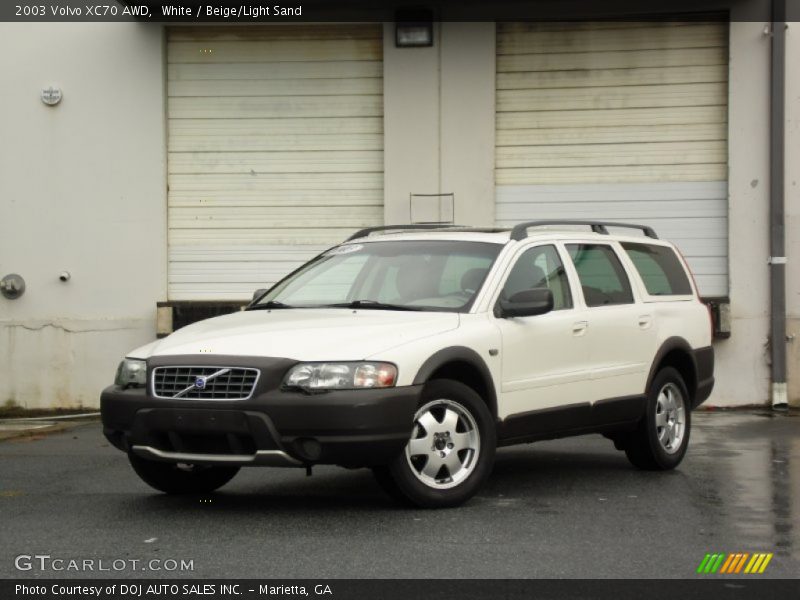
x=676 y=352
x=464 y=365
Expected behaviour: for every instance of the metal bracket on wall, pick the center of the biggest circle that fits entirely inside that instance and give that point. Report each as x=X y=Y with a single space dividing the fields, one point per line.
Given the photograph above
x=432 y=208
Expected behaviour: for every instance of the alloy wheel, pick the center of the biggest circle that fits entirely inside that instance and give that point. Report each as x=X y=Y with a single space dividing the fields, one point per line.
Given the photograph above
x=670 y=418
x=444 y=445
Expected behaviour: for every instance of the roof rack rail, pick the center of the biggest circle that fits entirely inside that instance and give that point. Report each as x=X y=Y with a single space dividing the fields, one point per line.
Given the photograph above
x=520 y=232
x=365 y=232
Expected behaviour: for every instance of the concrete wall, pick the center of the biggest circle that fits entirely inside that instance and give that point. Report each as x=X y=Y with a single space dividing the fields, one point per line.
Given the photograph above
x=793 y=208
x=82 y=189
x=468 y=121
x=742 y=361
x=411 y=119
x=439 y=121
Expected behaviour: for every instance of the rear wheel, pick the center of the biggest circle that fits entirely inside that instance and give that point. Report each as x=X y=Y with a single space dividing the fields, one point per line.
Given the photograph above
x=660 y=441
x=179 y=478
x=450 y=452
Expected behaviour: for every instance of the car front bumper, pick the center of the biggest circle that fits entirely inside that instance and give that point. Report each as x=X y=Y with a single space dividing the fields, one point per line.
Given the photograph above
x=274 y=427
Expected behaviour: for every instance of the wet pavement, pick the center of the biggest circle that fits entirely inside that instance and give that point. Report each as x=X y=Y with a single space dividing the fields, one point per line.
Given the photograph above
x=566 y=508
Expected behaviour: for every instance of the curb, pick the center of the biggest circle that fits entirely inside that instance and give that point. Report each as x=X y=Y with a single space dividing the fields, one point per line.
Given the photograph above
x=32 y=432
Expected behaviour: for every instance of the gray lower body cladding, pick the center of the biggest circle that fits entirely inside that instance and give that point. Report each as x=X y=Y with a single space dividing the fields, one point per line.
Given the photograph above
x=275 y=426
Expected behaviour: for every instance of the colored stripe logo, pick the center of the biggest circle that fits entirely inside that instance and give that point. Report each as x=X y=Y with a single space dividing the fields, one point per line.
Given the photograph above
x=735 y=563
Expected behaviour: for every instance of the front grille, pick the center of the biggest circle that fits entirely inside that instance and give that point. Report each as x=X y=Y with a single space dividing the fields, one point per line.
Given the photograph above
x=204 y=383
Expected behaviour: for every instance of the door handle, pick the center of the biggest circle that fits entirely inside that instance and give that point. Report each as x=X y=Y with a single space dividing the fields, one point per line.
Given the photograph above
x=645 y=321
x=579 y=327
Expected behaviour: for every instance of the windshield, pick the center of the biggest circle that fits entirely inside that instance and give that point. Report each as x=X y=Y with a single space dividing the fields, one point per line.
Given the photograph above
x=399 y=275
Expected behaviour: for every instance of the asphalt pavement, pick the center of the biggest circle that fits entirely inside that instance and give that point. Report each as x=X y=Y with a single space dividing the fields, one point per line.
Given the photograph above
x=570 y=508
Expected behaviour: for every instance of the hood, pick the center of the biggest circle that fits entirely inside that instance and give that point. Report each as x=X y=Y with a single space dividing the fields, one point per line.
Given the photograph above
x=305 y=334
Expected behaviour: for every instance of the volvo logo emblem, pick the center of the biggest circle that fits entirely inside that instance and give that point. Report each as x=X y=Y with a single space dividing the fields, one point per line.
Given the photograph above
x=201 y=382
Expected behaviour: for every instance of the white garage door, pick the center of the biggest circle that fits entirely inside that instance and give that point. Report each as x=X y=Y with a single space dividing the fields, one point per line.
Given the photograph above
x=622 y=122
x=275 y=150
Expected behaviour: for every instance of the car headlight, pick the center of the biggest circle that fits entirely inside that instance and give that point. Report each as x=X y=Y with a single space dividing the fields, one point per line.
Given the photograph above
x=131 y=372
x=341 y=376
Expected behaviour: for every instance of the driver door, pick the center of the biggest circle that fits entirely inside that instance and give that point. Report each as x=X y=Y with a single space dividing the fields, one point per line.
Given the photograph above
x=544 y=357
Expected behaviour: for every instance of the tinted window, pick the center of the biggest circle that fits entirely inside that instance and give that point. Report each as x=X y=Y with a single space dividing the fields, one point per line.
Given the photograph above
x=603 y=279
x=661 y=271
x=539 y=267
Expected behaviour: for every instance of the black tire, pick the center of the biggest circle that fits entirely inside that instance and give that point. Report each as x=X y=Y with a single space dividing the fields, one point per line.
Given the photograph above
x=644 y=447
x=172 y=478
x=470 y=447
x=385 y=480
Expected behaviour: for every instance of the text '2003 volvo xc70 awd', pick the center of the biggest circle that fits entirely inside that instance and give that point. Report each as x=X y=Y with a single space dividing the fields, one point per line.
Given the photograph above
x=417 y=351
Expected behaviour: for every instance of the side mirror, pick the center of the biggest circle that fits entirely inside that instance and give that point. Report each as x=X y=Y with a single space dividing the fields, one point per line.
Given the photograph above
x=258 y=293
x=527 y=303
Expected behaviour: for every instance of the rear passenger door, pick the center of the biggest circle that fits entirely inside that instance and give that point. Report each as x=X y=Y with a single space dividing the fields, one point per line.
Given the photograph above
x=619 y=330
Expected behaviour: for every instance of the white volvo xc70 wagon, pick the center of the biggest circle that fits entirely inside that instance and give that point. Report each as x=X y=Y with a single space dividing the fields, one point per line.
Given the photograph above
x=417 y=351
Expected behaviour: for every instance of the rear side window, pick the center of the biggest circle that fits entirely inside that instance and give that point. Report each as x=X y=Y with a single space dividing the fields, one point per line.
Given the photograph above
x=662 y=272
x=603 y=278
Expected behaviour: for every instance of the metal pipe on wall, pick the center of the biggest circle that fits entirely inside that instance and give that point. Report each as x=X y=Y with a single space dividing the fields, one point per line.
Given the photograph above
x=777 y=217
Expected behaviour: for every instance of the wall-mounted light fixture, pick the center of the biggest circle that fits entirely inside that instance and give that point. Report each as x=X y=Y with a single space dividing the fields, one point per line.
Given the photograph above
x=413 y=28
x=12 y=286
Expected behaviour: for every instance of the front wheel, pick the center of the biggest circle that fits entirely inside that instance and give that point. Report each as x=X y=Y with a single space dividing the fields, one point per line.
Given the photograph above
x=178 y=478
x=450 y=452
x=660 y=441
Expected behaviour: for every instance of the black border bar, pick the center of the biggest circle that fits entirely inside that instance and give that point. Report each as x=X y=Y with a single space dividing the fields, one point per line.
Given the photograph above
x=267 y=11
x=733 y=588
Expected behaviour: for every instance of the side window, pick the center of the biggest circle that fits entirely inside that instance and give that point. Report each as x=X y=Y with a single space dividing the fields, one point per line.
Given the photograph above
x=661 y=271
x=537 y=268
x=603 y=278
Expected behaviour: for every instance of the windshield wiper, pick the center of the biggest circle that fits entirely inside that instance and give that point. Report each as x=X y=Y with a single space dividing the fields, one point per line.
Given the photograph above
x=269 y=305
x=372 y=305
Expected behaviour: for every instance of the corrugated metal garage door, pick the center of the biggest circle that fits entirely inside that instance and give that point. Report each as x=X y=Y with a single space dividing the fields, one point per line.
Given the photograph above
x=620 y=121
x=275 y=150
